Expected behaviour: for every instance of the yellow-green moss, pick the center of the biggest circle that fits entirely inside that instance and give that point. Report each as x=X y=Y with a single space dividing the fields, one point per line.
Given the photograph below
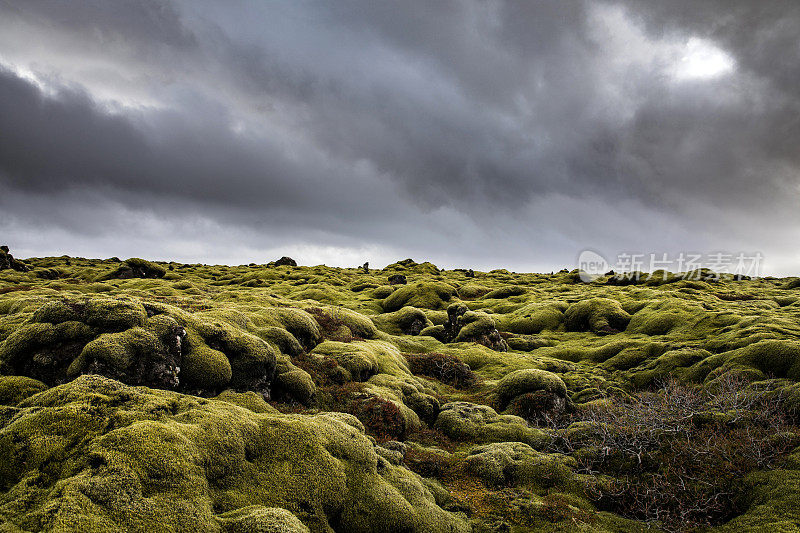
x=14 y=389
x=106 y=456
x=428 y=295
x=528 y=380
x=515 y=463
x=463 y=421
x=404 y=321
x=600 y=315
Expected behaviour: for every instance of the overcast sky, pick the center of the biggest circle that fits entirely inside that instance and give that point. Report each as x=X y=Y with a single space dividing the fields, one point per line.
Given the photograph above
x=478 y=134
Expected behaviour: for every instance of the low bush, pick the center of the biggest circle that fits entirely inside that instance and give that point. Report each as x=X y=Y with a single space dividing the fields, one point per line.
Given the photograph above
x=677 y=455
x=446 y=368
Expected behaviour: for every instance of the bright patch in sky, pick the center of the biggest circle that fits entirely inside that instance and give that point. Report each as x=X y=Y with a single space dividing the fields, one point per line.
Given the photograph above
x=702 y=59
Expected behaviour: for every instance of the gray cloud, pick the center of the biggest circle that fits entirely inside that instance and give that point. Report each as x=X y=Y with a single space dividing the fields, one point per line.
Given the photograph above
x=480 y=133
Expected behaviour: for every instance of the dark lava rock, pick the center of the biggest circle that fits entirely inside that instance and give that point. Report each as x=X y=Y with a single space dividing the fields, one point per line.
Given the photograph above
x=286 y=261
x=7 y=261
x=397 y=279
x=137 y=268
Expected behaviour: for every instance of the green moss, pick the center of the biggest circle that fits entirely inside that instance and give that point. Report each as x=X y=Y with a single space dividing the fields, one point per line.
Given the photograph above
x=281 y=339
x=771 y=502
x=104 y=314
x=249 y=400
x=383 y=292
x=667 y=316
x=358 y=324
x=672 y=363
x=476 y=325
x=14 y=389
x=470 y=291
x=516 y=463
x=252 y=360
x=463 y=421
x=528 y=380
x=203 y=367
x=259 y=519
x=505 y=292
x=296 y=321
x=44 y=351
x=778 y=358
x=527 y=343
x=532 y=319
x=792 y=284
x=357 y=359
x=136 y=268
x=428 y=295
x=599 y=315
x=110 y=457
x=405 y=321
x=635 y=355
x=137 y=355
x=296 y=384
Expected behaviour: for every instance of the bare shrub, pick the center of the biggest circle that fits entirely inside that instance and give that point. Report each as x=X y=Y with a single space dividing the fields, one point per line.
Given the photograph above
x=677 y=455
x=446 y=368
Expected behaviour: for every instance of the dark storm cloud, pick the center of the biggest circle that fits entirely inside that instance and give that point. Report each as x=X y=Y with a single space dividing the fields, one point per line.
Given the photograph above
x=444 y=129
x=65 y=141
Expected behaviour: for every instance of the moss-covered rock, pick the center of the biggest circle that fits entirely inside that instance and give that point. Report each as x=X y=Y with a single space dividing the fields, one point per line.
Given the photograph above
x=260 y=519
x=136 y=268
x=515 y=463
x=427 y=295
x=14 y=389
x=296 y=385
x=532 y=318
x=527 y=343
x=470 y=291
x=777 y=358
x=599 y=315
x=249 y=400
x=463 y=421
x=95 y=454
x=528 y=380
x=505 y=292
x=405 y=321
x=137 y=355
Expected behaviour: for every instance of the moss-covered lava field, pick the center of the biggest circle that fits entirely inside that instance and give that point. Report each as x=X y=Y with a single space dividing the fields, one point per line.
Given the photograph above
x=141 y=396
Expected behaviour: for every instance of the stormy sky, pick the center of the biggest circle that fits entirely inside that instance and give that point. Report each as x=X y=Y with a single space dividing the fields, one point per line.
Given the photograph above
x=473 y=133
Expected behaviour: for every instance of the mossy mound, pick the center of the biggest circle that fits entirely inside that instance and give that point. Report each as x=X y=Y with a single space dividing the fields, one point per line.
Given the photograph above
x=405 y=321
x=260 y=519
x=136 y=268
x=427 y=295
x=470 y=291
x=533 y=318
x=14 y=389
x=528 y=380
x=599 y=315
x=527 y=343
x=416 y=367
x=409 y=265
x=674 y=363
x=95 y=454
x=158 y=346
x=505 y=292
x=359 y=325
x=516 y=463
x=463 y=421
x=775 y=358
